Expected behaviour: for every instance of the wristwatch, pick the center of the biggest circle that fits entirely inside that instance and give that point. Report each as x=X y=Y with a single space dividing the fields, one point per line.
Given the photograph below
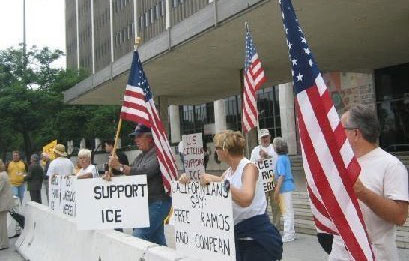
x=121 y=168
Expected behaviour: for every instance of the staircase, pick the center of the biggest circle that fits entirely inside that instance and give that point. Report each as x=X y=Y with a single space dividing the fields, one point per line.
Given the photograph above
x=304 y=223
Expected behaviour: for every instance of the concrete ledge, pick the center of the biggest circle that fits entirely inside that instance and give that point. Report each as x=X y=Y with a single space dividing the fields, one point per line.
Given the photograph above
x=52 y=236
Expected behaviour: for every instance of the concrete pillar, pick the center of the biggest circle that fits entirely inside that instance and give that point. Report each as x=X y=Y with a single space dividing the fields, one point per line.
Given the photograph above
x=174 y=117
x=98 y=145
x=162 y=106
x=287 y=117
x=70 y=146
x=82 y=144
x=219 y=115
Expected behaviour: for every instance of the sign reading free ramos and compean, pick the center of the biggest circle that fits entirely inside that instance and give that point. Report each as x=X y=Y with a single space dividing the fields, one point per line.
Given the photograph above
x=120 y=203
x=203 y=218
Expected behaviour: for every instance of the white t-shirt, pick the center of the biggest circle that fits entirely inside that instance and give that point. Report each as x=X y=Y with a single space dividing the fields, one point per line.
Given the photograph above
x=385 y=175
x=255 y=153
x=90 y=169
x=258 y=205
x=60 y=166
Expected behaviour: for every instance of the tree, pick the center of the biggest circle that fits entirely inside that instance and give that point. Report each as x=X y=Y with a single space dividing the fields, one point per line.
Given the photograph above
x=32 y=108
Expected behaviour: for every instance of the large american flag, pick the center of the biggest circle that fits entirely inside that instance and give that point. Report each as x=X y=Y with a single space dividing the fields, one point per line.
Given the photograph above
x=139 y=107
x=329 y=163
x=253 y=77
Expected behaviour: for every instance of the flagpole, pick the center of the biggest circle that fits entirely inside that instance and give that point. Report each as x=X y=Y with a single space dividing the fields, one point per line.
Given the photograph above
x=118 y=130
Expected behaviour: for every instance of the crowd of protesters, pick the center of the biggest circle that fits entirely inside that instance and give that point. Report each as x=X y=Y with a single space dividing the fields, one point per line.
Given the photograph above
x=382 y=187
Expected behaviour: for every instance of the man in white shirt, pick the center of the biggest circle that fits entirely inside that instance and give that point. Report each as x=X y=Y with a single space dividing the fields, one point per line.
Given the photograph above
x=266 y=151
x=382 y=187
x=61 y=165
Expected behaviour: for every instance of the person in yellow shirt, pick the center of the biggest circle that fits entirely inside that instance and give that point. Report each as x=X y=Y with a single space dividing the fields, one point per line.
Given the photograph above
x=16 y=170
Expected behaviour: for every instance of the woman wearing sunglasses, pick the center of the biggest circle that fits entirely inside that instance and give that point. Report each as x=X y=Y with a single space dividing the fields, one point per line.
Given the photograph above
x=255 y=237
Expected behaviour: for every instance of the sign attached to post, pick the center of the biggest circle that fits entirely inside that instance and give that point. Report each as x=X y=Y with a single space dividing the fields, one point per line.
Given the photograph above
x=120 y=203
x=54 y=192
x=203 y=218
x=68 y=205
x=193 y=155
x=266 y=173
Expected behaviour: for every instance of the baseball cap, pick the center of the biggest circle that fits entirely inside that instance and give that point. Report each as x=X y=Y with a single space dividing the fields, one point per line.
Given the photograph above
x=263 y=133
x=139 y=129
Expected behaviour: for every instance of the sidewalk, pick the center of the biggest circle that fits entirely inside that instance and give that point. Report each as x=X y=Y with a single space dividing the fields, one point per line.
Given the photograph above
x=11 y=254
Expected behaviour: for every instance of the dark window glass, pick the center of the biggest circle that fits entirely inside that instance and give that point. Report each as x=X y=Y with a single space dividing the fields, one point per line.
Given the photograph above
x=392 y=100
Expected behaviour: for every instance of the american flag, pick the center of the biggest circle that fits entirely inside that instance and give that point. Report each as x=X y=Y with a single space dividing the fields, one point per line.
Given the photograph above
x=329 y=162
x=253 y=75
x=139 y=107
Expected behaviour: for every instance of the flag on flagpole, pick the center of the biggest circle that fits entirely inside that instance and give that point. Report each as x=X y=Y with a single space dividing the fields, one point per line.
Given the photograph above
x=139 y=107
x=329 y=163
x=253 y=78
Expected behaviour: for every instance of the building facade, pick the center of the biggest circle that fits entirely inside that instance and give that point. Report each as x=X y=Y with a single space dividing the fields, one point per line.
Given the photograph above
x=193 y=52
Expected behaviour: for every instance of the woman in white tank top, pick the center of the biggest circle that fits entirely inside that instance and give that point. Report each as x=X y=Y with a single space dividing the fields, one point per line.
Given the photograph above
x=256 y=238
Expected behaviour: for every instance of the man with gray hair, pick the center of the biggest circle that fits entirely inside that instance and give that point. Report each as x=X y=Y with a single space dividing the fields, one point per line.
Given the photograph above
x=382 y=187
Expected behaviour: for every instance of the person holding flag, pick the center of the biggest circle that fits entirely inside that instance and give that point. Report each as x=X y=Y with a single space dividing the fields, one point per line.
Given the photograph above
x=159 y=202
x=156 y=160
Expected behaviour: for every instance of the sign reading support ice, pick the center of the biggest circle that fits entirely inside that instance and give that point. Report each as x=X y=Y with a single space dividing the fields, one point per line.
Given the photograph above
x=120 y=203
x=193 y=155
x=266 y=173
x=203 y=218
x=54 y=192
x=68 y=193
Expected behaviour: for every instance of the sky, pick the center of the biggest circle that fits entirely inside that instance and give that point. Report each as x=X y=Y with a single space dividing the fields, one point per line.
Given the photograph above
x=45 y=24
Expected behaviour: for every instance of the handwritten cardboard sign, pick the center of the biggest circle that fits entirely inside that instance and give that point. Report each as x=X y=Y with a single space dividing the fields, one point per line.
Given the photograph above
x=193 y=155
x=203 y=218
x=120 y=203
x=54 y=192
x=266 y=173
x=67 y=202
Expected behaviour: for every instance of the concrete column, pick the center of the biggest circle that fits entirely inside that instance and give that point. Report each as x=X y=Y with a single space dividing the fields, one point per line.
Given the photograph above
x=287 y=117
x=162 y=106
x=82 y=143
x=219 y=115
x=174 y=123
x=98 y=145
x=70 y=146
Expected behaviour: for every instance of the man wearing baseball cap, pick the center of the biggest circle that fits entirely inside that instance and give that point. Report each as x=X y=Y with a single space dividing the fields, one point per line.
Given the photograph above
x=266 y=151
x=159 y=202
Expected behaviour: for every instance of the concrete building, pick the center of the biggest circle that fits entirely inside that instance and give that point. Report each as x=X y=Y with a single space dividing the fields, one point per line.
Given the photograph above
x=193 y=54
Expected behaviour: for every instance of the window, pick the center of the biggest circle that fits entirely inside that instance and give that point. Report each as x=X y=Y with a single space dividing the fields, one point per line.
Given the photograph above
x=147 y=19
x=194 y=117
x=269 y=110
x=153 y=15
x=233 y=112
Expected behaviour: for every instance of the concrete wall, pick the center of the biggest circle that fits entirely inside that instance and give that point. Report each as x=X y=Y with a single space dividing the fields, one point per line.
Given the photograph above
x=51 y=236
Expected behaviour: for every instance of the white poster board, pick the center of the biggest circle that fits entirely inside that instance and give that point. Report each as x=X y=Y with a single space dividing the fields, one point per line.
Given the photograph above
x=203 y=218
x=67 y=203
x=120 y=203
x=54 y=192
x=266 y=173
x=193 y=155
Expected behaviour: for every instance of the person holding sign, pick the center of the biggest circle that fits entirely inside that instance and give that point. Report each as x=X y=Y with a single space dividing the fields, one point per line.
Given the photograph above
x=255 y=237
x=284 y=187
x=159 y=202
x=259 y=154
x=61 y=165
x=87 y=169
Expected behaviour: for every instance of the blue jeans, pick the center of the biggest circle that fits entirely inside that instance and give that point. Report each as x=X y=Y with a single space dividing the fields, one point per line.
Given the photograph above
x=158 y=211
x=18 y=191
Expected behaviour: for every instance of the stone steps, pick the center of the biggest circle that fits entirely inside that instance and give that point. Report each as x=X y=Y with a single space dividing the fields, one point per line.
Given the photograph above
x=304 y=223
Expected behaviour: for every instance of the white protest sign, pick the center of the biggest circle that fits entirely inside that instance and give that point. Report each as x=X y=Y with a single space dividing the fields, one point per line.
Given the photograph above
x=67 y=203
x=54 y=192
x=266 y=173
x=203 y=218
x=120 y=203
x=193 y=155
